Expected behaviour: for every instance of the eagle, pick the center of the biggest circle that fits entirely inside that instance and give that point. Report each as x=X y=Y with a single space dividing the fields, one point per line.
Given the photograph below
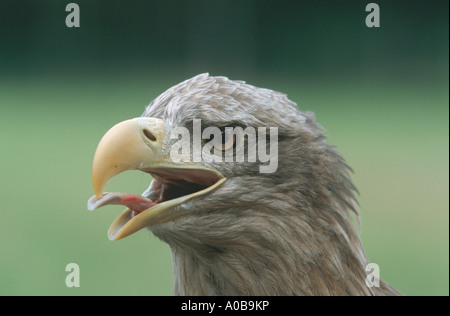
x=232 y=228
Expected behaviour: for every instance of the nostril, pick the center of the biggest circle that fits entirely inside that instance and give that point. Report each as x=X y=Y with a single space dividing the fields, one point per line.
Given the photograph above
x=149 y=135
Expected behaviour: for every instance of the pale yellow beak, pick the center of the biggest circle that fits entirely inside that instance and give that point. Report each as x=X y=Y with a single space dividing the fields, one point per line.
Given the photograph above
x=129 y=145
x=137 y=144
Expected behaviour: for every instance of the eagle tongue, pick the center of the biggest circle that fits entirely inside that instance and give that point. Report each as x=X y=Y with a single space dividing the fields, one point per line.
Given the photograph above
x=134 y=202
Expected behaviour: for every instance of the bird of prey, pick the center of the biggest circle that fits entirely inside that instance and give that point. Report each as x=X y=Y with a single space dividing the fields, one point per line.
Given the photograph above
x=232 y=229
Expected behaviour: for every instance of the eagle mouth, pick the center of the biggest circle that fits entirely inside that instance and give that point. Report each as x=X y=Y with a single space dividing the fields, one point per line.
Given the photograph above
x=170 y=187
x=138 y=144
x=169 y=184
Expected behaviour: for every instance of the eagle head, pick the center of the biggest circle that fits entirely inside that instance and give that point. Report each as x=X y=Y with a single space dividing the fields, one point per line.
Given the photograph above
x=246 y=192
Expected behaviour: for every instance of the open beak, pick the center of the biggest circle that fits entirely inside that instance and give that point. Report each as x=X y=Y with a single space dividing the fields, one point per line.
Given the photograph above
x=137 y=144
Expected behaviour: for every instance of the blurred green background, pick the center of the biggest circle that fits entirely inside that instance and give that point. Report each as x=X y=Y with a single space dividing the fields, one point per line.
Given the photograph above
x=382 y=95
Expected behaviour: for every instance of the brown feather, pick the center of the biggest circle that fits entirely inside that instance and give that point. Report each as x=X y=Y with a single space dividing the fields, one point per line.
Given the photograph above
x=286 y=233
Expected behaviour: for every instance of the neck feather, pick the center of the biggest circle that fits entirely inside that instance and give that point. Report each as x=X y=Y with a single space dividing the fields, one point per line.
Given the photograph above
x=259 y=253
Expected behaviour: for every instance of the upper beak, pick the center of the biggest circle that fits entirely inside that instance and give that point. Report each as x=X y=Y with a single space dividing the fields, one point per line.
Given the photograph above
x=138 y=144
x=131 y=144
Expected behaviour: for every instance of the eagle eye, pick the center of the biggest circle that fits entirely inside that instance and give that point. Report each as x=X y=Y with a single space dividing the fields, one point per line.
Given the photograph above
x=228 y=140
x=225 y=142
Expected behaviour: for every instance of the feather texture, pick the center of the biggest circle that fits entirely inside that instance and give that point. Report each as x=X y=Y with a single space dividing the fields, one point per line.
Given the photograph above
x=285 y=233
